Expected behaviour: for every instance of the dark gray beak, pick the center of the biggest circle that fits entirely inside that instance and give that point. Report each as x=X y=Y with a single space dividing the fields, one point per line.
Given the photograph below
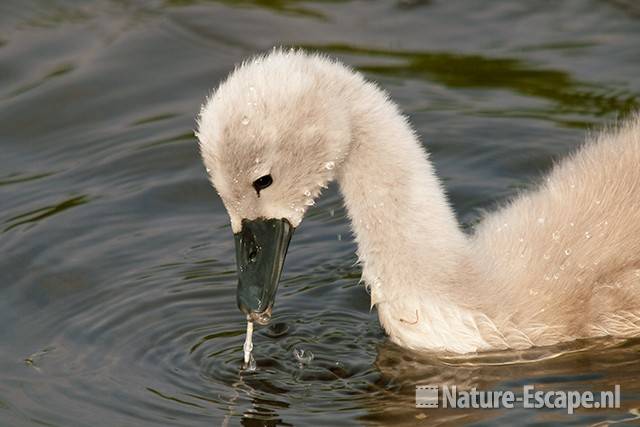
x=261 y=247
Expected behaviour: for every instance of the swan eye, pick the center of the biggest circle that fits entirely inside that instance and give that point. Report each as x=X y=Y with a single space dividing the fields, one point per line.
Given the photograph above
x=262 y=183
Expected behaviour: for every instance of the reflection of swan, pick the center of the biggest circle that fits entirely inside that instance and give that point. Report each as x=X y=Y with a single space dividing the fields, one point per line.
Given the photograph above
x=556 y=264
x=393 y=396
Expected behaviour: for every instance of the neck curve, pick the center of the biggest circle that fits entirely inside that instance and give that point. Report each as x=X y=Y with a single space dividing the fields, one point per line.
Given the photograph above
x=415 y=258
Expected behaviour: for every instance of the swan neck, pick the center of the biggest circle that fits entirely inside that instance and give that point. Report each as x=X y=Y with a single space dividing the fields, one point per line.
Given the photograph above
x=407 y=234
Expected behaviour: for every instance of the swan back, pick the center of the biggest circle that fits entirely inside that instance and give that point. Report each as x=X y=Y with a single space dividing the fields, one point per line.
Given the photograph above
x=567 y=255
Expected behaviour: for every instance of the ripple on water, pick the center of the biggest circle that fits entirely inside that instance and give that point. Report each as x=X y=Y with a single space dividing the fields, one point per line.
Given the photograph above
x=42 y=213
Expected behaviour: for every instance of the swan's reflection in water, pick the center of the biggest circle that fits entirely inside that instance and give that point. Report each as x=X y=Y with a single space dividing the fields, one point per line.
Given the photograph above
x=387 y=394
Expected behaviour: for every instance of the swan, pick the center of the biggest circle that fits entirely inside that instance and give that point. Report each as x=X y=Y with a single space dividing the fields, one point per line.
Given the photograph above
x=555 y=264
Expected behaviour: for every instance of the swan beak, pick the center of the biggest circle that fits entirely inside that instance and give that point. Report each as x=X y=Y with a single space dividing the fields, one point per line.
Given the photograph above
x=261 y=246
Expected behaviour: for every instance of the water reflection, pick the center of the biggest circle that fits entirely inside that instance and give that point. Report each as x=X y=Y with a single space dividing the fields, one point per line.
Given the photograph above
x=286 y=7
x=387 y=392
x=596 y=366
x=17 y=178
x=457 y=70
x=44 y=212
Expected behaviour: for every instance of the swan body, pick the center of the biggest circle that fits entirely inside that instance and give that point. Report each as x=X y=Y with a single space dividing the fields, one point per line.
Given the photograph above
x=556 y=264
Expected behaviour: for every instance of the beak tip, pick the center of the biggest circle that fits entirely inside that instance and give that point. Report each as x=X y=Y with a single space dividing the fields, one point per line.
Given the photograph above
x=262 y=318
x=247 y=305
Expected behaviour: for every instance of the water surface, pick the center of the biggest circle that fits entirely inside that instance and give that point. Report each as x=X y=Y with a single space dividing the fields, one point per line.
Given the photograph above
x=117 y=290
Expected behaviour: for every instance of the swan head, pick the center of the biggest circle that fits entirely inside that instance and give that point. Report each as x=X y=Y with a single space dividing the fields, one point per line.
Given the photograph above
x=272 y=135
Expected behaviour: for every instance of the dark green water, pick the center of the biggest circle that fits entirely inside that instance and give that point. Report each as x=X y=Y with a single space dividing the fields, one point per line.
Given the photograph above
x=117 y=270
